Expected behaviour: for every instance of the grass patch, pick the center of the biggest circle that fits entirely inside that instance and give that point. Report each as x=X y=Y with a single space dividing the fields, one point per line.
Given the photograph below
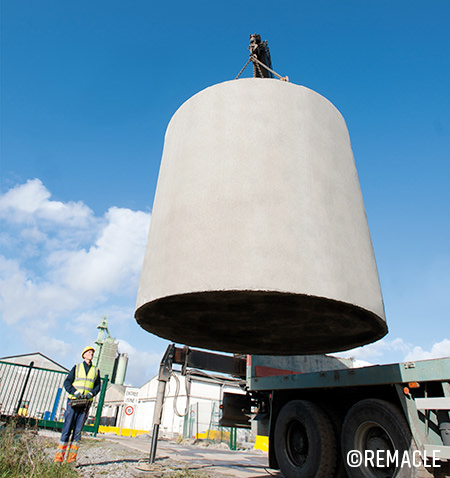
x=24 y=454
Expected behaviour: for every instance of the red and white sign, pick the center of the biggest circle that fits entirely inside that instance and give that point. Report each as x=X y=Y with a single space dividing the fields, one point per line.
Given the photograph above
x=129 y=410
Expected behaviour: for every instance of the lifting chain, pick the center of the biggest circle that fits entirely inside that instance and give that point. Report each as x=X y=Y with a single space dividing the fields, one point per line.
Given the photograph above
x=258 y=65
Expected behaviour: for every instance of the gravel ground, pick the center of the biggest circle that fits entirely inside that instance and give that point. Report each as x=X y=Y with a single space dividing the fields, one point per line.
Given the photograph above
x=100 y=457
x=103 y=457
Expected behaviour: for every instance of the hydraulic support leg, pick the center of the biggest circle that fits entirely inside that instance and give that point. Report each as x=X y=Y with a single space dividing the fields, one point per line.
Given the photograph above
x=165 y=370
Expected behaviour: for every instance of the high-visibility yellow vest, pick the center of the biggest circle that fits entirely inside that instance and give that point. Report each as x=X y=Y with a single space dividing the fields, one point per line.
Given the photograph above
x=83 y=382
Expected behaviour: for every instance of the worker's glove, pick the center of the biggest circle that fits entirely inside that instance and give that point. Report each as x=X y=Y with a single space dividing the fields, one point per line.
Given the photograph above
x=89 y=395
x=78 y=394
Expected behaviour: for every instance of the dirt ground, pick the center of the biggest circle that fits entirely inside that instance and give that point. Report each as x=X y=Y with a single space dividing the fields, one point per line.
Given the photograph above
x=122 y=457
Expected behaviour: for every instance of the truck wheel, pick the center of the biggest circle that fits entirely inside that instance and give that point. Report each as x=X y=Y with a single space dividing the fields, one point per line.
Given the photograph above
x=337 y=419
x=305 y=445
x=374 y=428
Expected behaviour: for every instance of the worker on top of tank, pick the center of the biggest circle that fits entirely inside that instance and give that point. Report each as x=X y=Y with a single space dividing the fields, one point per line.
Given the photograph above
x=82 y=384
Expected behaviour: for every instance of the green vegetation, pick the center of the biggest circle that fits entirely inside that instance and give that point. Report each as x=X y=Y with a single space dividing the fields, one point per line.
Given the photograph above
x=24 y=454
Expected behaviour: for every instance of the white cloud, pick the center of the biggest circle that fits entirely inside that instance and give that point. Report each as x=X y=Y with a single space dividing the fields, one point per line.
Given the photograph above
x=62 y=268
x=26 y=198
x=372 y=353
x=23 y=296
x=438 y=350
x=84 y=324
x=70 y=262
x=33 y=234
x=397 y=350
x=51 y=345
x=113 y=262
x=31 y=200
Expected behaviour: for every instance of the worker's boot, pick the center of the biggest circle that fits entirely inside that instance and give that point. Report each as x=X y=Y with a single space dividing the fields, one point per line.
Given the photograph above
x=72 y=456
x=59 y=457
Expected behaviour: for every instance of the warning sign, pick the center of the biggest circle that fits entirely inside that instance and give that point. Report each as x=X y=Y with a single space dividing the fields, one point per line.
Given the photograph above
x=131 y=396
x=129 y=410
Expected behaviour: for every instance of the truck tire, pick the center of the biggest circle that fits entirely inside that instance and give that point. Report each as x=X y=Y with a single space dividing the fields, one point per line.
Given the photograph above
x=305 y=444
x=336 y=417
x=373 y=425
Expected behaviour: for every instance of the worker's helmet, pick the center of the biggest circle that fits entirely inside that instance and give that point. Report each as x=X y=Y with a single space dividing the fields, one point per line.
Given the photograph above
x=86 y=349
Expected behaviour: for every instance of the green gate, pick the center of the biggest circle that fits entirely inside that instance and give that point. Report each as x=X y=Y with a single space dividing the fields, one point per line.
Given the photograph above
x=37 y=395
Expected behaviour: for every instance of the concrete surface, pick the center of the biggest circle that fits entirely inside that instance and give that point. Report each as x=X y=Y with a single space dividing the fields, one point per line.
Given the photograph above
x=215 y=462
x=259 y=241
x=213 y=459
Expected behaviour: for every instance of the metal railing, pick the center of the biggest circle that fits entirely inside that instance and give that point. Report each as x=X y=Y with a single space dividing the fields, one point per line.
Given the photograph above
x=38 y=394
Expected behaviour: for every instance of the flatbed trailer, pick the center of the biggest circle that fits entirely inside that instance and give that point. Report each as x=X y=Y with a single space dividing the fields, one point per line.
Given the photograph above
x=375 y=421
x=324 y=418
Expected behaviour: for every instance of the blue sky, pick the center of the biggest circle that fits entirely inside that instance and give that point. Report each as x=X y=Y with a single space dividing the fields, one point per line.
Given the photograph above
x=87 y=91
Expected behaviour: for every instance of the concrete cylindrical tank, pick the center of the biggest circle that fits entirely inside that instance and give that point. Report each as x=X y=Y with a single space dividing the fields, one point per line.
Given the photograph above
x=259 y=241
x=122 y=363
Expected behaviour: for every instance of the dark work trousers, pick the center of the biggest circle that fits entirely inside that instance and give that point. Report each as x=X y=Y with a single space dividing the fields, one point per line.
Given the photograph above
x=74 y=419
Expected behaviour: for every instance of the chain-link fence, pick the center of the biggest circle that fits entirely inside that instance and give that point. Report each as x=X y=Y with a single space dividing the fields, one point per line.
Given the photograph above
x=202 y=422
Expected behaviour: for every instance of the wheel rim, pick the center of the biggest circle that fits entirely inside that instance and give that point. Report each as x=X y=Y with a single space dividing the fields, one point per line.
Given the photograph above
x=372 y=436
x=297 y=444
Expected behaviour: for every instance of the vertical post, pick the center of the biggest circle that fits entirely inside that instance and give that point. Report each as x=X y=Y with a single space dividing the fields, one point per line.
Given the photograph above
x=191 y=421
x=121 y=419
x=22 y=393
x=185 y=424
x=233 y=438
x=187 y=418
x=55 y=405
x=211 y=418
x=209 y=425
x=196 y=419
x=101 y=400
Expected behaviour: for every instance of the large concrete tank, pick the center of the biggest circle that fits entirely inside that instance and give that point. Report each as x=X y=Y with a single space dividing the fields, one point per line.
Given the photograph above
x=259 y=241
x=121 y=369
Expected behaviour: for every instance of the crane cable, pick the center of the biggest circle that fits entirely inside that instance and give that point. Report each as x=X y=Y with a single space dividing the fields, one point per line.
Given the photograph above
x=259 y=63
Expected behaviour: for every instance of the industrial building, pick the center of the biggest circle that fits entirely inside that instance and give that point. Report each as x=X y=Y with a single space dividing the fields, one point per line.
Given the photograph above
x=107 y=357
x=191 y=406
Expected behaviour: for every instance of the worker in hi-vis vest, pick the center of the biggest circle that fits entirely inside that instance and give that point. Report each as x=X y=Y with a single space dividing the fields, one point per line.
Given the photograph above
x=82 y=384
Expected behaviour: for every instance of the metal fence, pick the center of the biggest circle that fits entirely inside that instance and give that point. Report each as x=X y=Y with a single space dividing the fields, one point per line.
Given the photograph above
x=202 y=422
x=31 y=391
x=38 y=393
